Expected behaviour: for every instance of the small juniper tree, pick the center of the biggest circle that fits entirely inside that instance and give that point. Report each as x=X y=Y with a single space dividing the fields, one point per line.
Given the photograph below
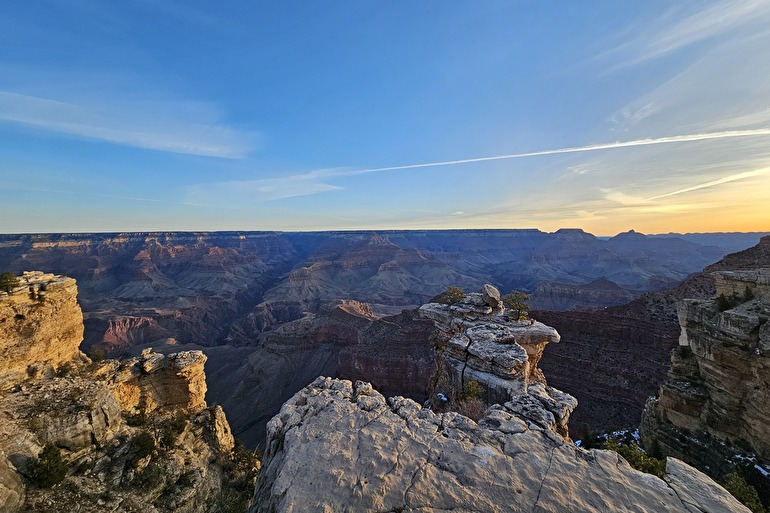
x=8 y=281
x=50 y=468
x=516 y=302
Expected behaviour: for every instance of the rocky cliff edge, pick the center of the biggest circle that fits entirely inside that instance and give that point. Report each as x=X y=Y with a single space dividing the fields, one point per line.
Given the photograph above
x=130 y=435
x=340 y=447
x=41 y=326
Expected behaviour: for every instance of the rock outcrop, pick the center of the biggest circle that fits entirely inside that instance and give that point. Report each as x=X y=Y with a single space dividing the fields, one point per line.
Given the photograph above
x=717 y=395
x=478 y=342
x=615 y=358
x=156 y=381
x=41 y=326
x=336 y=446
x=135 y=435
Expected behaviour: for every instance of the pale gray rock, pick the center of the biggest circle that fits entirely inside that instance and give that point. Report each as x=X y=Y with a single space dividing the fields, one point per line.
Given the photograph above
x=339 y=448
x=501 y=353
x=491 y=296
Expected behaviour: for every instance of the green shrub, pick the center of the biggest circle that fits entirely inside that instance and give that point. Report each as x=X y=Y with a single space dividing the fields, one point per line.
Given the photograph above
x=743 y=491
x=472 y=390
x=171 y=430
x=637 y=458
x=50 y=468
x=142 y=445
x=517 y=303
x=8 y=281
x=64 y=370
x=237 y=490
x=96 y=355
x=450 y=296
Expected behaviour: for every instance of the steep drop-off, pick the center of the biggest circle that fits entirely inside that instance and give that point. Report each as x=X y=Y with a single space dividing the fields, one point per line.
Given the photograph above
x=339 y=446
x=713 y=410
x=132 y=435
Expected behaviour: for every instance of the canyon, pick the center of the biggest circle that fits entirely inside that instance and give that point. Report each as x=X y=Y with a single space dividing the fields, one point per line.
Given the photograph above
x=342 y=446
x=137 y=434
x=272 y=311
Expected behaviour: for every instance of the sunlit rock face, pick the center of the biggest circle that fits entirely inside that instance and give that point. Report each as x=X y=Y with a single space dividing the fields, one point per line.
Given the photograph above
x=339 y=446
x=41 y=325
x=98 y=413
x=486 y=344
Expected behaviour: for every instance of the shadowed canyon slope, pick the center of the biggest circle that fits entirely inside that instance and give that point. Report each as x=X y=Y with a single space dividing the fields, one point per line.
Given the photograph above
x=250 y=300
x=614 y=358
x=226 y=287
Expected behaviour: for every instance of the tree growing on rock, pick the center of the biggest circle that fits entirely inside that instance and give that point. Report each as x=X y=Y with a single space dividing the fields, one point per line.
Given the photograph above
x=516 y=302
x=50 y=468
x=450 y=296
x=8 y=281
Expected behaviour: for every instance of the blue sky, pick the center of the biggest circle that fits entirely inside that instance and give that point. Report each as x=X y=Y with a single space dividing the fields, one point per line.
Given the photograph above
x=191 y=115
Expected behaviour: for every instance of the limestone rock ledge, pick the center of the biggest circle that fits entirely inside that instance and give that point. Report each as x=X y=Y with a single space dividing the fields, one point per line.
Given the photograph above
x=154 y=381
x=336 y=447
x=41 y=325
x=477 y=340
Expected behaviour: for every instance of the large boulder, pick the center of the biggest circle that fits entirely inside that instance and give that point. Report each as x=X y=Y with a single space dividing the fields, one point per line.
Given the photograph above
x=339 y=447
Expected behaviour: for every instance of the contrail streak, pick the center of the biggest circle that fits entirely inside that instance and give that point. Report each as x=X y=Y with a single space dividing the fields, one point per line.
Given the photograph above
x=719 y=181
x=576 y=149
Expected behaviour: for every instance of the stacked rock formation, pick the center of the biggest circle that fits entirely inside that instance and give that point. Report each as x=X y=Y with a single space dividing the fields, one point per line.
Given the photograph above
x=719 y=382
x=155 y=381
x=135 y=435
x=479 y=341
x=336 y=446
x=41 y=326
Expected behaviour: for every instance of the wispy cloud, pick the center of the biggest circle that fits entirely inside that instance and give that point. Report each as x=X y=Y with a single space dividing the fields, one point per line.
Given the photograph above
x=158 y=125
x=252 y=191
x=673 y=32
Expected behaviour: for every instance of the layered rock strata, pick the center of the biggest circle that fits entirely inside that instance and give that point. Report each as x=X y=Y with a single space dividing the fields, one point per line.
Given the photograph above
x=478 y=341
x=41 y=325
x=339 y=447
x=156 y=381
x=135 y=435
x=719 y=382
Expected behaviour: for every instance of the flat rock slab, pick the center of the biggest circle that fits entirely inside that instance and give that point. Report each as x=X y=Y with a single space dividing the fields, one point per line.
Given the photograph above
x=336 y=447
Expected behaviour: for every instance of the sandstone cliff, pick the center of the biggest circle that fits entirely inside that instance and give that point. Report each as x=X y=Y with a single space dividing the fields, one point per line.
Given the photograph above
x=41 y=326
x=717 y=395
x=134 y=435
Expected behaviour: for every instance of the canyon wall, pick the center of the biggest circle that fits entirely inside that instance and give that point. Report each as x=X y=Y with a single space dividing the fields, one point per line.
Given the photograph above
x=133 y=435
x=339 y=446
x=718 y=389
x=41 y=325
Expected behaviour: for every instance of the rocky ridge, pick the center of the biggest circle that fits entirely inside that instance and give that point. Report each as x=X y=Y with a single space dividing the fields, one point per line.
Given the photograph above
x=41 y=326
x=715 y=403
x=338 y=446
x=134 y=435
